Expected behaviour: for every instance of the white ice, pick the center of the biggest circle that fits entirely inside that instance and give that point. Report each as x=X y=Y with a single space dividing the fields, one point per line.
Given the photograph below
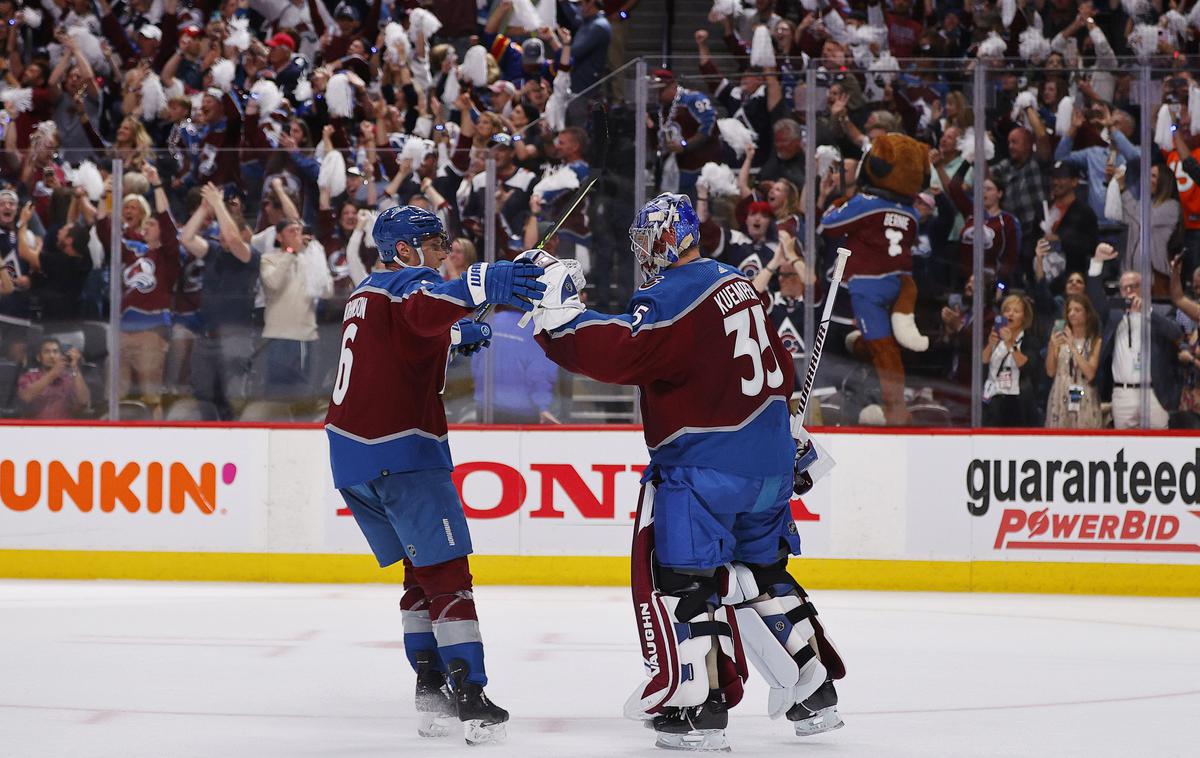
x=253 y=670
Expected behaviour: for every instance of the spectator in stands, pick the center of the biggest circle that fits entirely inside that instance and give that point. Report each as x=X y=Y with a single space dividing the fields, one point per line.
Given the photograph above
x=54 y=387
x=1071 y=227
x=1021 y=175
x=222 y=352
x=1084 y=148
x=1072 y=360
x=523 y=378
x=1010 y=393
x=685 y=131
x=1164 y=222
x=1188 y=318
x=462 y=255
x=590 y=33
x=786 y=160
x=294 y=277
x=1123 y=368
x=1184 y=164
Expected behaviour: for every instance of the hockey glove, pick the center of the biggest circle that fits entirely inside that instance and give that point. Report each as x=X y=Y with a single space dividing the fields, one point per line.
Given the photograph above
x=561 y=303
x=469 y=336
x=812 y=461
x=505 y=283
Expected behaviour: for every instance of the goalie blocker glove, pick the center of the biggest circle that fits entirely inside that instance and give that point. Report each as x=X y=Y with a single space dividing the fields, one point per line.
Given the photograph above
x=563 y=280
x=505 y=283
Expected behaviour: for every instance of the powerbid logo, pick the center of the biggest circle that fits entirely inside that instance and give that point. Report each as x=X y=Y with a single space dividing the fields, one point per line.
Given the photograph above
x=1088 y=505
x=106 y=485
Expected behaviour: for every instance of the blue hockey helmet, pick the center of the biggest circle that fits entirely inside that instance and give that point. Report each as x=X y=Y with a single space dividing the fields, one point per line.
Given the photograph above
x=667 y=212
x=405 y=223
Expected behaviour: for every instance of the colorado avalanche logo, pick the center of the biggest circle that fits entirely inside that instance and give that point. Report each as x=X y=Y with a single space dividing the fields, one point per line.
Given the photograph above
x=751 y=265
x=140 y=276
x=989 y=236
x=193 y=275
x=650 y=282
x=791 y=339
x=338 y=265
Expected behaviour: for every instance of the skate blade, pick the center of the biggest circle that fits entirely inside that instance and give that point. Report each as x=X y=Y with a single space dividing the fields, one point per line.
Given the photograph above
x=824 y=720
x=434 y=725
x=700 y=741
x=478 y=732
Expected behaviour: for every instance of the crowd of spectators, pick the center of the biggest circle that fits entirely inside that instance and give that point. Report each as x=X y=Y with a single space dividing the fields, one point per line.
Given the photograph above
x=257 y=139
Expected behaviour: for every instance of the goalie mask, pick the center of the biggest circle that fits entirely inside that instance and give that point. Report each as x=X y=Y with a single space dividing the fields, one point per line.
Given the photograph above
x=664 y=228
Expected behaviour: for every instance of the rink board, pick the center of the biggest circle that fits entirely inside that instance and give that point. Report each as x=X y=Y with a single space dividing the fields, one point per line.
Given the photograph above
x=914 y=510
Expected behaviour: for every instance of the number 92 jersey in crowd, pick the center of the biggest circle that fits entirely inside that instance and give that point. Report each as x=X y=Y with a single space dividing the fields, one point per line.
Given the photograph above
x=386 y=414
x=714 y=376
x=881 y=233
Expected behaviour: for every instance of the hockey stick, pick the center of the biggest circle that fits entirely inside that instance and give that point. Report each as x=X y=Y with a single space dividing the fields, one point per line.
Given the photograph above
x=814 y=358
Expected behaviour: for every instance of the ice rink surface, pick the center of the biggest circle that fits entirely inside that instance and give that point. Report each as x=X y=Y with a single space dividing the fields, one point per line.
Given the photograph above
x=171 y=670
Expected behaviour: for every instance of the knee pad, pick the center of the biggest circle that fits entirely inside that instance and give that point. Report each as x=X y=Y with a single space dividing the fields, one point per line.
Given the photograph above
x=681 y=621
x=782 y=636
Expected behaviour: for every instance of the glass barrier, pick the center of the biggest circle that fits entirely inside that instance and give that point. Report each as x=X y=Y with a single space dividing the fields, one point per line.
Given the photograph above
x=1042 y=318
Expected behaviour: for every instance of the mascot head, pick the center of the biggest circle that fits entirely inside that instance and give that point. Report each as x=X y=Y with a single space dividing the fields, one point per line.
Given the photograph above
x=896 y=165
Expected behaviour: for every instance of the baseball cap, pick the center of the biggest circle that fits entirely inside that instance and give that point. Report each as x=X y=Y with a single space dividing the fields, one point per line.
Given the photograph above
x=354 y=171
x=662 y=76
x=282 y=39
x=928 y=199
x=346 y=10
x=502 y=85
x=533 y=51
x=1064 y=170
x=191 y=30
x=150 y=31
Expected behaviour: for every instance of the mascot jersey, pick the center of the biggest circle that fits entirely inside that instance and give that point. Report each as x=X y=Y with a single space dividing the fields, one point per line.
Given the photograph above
x=880 y=234
x=691 y=115
x=713 y=373
x=386 y=414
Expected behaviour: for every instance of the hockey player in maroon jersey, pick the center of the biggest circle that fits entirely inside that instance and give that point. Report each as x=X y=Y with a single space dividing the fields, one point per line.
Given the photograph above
x=714 y=529
x=387 y=445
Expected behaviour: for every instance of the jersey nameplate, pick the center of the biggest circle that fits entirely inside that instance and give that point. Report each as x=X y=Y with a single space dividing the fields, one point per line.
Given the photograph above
x=356 y=308
x=737 y=291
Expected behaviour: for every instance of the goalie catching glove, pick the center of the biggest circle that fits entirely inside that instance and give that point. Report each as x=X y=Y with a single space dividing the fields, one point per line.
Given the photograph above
x=563 y=279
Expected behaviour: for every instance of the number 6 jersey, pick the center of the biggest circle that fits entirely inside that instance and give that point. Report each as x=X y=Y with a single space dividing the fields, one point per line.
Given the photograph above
x=386 y=413
x=697 y=342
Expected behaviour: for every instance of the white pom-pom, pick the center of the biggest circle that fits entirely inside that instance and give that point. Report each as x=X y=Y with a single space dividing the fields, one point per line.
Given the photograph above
x=396 y=40
x=992 y=47
x=1135 y=8
x=719 y=180
x=524 y=15
x=88 y=177
x=736 y=134
x=1051 y=215
x=885 y=66
x=451 y=91
x=722 y=9
x=868 y=35
x=966 y=146
x=548 y=13
x=1194 y=106
x=1008 y=11
x=762 y=49
x=1176 y=26
x=32 y=17
x=1193 y=17
x=332 y=175
x=45 y=130
x=1144 y=41
x=415 y=149
x=239 y=34
x=339 y=96
x=556 y=180
x=555 y=112
x=474 y=66
x=154 y=99
x=1033 y=45
x=1112 y=198
x=422 y=22
x=302 y=92
x=1164 y=136
x=223 y=72
x=267 y=93
x=88 y=45
x=18 y=99
x=1025 y=100
x=316 y=269
x=1063 y=116
x=835 y=25
x=811 y=5
x=828 y=156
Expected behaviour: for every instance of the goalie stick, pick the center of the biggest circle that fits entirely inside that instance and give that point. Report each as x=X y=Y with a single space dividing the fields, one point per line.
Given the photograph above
x=814 y=357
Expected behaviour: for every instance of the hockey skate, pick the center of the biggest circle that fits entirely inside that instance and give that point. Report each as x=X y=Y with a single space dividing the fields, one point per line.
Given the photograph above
x=817 y=713
x=436 y=712
x=482 y=720
x=699 y=728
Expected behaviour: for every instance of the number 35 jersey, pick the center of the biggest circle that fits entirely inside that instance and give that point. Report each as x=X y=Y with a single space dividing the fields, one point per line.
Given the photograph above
x=697 y=342
x=386 y=413
x=880 y=233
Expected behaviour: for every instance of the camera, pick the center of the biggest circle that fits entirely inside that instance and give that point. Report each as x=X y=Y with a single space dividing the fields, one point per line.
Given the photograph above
x=956 y=301
x=1001 y=322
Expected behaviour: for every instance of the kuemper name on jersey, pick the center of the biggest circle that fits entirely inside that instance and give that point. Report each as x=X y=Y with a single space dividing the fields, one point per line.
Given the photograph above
x=356 y=308
x=737 y=291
